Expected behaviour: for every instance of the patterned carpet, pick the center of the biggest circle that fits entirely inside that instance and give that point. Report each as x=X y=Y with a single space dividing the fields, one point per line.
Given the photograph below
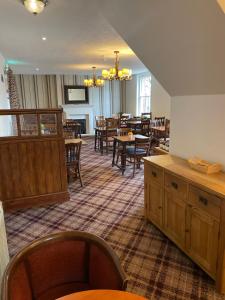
x=111 y=206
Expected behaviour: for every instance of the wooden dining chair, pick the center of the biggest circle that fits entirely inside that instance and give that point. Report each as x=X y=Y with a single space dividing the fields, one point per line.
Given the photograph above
x=160 y=121
x=140 y=150
x=73 y=126
x=145 y=127
x=107 y=135
x=121 y=132
x=60 y=264
x=73 y=151
x=147 y=115
x=123 y=121
x=99 y=123
x=68 y=132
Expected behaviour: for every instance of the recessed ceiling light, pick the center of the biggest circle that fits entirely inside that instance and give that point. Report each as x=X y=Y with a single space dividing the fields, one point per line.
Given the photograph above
x=37 y=69
x=44 y=38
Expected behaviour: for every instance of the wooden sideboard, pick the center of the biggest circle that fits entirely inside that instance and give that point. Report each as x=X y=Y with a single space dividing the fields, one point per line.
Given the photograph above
x=32 y=158
x=189 y=208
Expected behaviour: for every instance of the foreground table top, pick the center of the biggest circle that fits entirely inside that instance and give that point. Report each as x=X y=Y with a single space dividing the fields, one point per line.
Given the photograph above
x=68 y=141
x=102 y=295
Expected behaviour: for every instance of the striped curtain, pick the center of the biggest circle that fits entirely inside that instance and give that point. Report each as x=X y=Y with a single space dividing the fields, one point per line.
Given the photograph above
x=47 y=91
x=37 y=91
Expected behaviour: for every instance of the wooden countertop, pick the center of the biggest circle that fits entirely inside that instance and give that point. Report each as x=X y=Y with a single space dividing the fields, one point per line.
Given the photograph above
x=215 y=183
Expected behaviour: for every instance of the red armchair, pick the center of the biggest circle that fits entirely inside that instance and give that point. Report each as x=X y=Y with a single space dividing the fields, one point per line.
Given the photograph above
x=60 y=264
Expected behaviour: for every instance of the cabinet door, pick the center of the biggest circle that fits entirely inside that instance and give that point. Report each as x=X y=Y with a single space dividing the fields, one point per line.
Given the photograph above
x=202 y=238
x=174 y=218
x=154 y=196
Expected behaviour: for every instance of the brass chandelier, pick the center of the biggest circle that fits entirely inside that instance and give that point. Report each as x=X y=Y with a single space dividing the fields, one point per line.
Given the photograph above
x=94 y=81
x=35 y=6
x=115 y=73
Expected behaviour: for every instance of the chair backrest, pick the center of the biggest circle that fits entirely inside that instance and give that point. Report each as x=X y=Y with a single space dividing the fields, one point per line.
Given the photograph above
x=68 y=132
x=123 y=121
x=147 y=115
x=100 y=121
x=160 y=121
x=123 y=131
x=167 y=127
x=143 y=144
x=72 y=125
x=60 y=264
x=73 y=152
x=145 y=124
x=112 y=123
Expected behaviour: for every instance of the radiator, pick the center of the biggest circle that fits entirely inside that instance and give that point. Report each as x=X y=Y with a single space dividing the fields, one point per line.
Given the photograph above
x=4 y=254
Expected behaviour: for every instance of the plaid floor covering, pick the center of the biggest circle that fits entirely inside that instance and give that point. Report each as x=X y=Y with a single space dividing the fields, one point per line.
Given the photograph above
x=111 y=206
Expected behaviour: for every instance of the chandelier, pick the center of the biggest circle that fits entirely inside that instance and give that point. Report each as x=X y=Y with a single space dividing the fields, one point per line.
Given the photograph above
x=115 y=73
x=35 y=6
x=94 y=81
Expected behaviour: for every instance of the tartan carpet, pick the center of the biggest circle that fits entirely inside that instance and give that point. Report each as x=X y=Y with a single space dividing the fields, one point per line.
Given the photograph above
x=111 y=206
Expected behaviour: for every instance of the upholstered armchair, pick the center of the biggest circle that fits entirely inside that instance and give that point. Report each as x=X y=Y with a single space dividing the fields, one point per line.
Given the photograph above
x=60 y=264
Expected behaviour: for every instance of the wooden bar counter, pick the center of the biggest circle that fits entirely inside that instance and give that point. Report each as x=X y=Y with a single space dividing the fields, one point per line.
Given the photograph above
x=189 y=208
x=32 y=158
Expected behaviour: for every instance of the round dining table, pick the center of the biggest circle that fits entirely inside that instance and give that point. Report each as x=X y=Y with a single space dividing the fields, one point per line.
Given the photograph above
x=102 y=295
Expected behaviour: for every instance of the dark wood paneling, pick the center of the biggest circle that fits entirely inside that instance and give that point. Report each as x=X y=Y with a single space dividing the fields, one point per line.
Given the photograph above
x=32 y=170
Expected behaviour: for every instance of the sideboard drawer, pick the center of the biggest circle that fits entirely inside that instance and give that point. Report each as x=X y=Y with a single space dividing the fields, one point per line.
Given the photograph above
x=208 y=202
x=155 y=174
x=176 y=185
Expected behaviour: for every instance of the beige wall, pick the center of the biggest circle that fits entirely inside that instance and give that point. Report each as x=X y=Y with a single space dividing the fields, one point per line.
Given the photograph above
x=198 y=127
x=160 y=99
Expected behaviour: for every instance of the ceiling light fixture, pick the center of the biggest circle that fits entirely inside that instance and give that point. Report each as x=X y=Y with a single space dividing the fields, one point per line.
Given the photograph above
x=221 y=4
x=37 y=69
x=35 y=6
x=44 y=38
x=94 y=81
x=115 y=73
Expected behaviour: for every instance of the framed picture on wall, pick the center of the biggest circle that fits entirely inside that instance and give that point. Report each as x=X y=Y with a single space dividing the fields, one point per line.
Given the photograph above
x=76 y=94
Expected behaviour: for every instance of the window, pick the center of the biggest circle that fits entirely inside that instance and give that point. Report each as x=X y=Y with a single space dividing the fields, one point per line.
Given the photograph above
x=144 y=94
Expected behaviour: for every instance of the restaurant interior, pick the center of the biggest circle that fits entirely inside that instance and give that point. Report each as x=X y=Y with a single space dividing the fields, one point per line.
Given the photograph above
x=112 y=181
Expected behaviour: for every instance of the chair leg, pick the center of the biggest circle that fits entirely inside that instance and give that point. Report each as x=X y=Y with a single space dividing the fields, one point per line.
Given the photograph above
x=78 y=169
x=134 y=166
x=107 y=147
x=68 y=175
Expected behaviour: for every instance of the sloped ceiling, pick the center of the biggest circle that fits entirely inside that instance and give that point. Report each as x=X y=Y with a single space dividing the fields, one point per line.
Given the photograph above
x=182 y=42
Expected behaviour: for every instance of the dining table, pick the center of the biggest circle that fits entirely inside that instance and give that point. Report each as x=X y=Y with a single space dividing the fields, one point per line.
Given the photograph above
x=124 y=141
x=102 y=295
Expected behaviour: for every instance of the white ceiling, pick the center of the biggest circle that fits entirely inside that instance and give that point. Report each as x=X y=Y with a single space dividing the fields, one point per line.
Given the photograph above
x=78 y=37
x=182 y=42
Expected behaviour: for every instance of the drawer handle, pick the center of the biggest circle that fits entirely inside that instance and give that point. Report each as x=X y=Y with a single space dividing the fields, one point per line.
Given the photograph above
x=154 y=174
x=203 y=200
x=174 y=185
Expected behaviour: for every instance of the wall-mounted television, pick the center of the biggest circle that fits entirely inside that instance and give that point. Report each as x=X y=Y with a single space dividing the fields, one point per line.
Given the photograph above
x=76 y=94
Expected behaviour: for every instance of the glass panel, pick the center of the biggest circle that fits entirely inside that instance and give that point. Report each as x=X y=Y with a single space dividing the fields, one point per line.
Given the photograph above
x=48 y=124
x=29 y=125
x=8 y=126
